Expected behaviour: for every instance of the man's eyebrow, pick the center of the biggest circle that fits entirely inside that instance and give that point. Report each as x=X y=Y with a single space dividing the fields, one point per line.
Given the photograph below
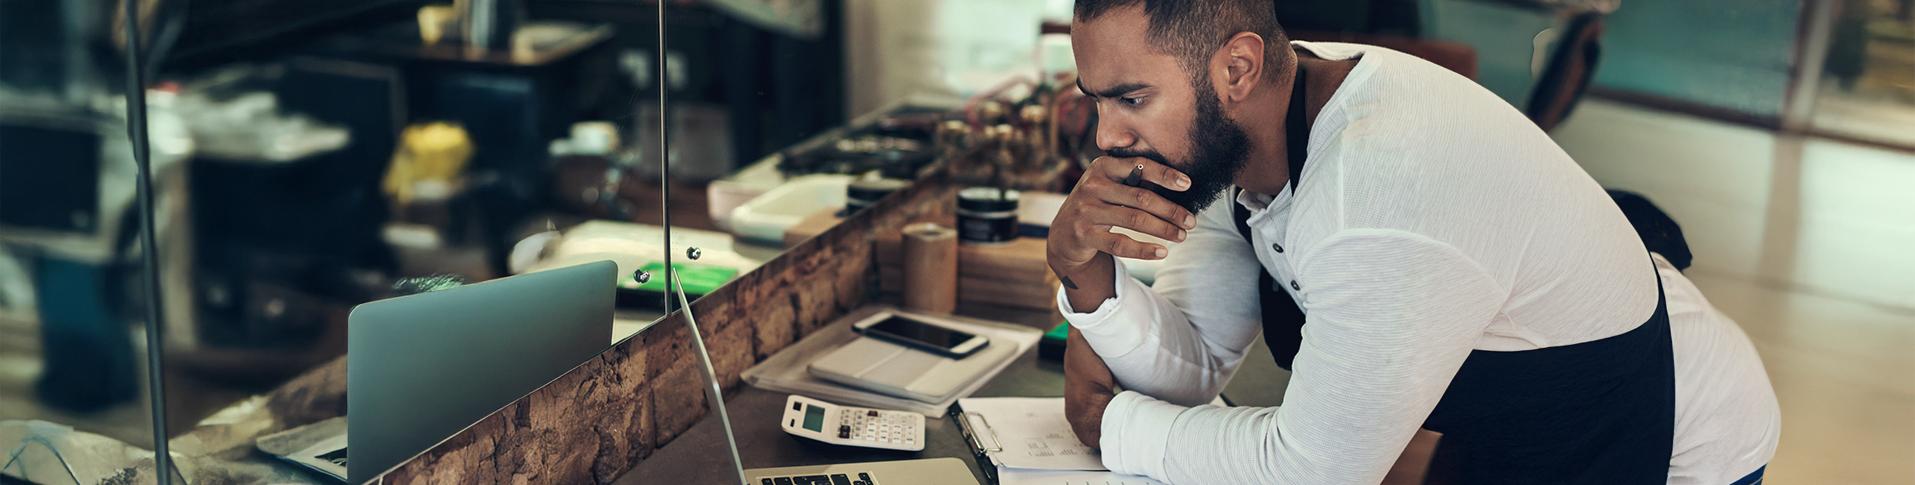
x=1112 y=92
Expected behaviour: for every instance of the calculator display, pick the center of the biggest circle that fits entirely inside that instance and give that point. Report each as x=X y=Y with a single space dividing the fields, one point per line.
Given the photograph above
x=814 y=418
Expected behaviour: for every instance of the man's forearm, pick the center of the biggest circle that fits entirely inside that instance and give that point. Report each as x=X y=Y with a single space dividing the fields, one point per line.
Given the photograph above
x=1087 y=287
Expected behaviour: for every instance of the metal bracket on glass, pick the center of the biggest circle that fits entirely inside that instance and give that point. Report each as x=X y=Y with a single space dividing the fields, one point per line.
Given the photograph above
x=714 y=395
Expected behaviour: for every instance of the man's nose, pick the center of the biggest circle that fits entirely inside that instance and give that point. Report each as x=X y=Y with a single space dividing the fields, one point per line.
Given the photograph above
x=1113 y=135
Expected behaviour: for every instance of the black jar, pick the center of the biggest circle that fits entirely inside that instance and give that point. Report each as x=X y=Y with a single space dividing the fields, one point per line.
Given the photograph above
x=987 y=215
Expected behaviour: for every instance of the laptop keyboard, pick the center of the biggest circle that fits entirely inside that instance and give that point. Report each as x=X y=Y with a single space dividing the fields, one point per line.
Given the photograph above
x=863 y=478
x=336 y=457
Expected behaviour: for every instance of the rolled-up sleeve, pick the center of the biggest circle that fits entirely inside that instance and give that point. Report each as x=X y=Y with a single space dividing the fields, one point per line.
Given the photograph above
x=1180 y=340
x=1390 y=318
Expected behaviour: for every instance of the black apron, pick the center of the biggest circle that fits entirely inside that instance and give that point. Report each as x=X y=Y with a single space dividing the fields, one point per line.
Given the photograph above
x=1596 y=412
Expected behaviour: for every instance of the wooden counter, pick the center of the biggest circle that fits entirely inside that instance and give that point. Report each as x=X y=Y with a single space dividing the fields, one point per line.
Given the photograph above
x=599 y=421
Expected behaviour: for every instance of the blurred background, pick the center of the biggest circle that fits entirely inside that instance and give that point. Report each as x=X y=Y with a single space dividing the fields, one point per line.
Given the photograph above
x=311 y=156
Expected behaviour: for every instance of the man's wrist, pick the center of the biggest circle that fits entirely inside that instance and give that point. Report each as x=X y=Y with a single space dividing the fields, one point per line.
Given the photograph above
x=1074 y=275
x=1091 y=283
x=1096 y=415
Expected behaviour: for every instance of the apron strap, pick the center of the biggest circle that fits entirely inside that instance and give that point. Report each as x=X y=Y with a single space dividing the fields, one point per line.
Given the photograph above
x=1283 y=321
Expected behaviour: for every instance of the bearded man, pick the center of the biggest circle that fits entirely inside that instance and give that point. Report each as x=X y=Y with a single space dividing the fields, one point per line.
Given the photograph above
x=1423 y=258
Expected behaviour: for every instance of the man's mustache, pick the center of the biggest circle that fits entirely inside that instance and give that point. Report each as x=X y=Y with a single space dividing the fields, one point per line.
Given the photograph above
x=1152 y=155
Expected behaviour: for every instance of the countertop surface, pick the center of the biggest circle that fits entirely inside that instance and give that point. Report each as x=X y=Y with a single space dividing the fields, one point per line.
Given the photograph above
x=700 y=455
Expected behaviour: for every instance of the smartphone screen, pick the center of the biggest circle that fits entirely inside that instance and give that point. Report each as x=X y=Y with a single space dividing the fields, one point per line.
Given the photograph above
x=906 y=330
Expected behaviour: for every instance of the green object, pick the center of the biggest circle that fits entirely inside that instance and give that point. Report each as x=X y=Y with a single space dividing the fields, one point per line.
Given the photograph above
x=1060 y=333
x=698 y=279
x=427 y=284
x=1051 y=347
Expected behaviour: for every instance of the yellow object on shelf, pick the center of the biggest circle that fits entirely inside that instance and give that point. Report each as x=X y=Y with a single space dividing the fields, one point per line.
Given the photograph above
x=435 y=21
x=430 y=155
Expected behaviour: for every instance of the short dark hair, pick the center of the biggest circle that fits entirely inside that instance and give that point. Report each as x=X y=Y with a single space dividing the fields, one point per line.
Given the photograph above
x=1192 y=30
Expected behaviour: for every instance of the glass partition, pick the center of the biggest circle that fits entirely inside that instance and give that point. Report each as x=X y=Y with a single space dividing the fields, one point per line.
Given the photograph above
x=307 y=158
x=786 y=117
x=75 y=402
x=744 y=81
x=392 y=149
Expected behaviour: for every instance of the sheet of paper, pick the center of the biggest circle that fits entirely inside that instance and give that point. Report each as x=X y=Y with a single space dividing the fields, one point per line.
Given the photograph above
x=1014 y=476
x=1028 y=432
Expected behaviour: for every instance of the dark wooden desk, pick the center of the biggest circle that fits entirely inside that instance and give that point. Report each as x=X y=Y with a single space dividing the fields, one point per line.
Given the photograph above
x=700 y=455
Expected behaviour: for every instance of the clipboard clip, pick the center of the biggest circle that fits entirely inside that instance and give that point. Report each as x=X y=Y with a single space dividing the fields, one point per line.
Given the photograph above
x=978 y=434
x=976 y=430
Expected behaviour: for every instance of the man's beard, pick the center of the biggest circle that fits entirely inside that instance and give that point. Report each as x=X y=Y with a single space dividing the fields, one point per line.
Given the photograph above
x=1219 y=148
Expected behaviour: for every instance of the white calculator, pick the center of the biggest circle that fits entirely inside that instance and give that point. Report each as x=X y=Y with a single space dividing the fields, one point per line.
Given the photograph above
x=849 y=426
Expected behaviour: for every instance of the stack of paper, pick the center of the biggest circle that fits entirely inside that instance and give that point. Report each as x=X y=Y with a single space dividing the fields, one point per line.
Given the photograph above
x=787 y=371
x=1032 y=443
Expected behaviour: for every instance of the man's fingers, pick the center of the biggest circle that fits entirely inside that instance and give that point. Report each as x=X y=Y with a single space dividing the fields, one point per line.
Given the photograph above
x=1166 y=176
x=1101 y=217
x=1150 y=202
x=1119 y=169
x=1135 y=220
x=1123 y=246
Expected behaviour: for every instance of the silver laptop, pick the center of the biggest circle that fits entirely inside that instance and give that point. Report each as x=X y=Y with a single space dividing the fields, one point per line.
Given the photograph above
x=420 y=368
x=930 y=471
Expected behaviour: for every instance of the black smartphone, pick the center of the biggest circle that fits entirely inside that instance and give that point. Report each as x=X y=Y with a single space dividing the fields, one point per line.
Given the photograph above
x=920 y=334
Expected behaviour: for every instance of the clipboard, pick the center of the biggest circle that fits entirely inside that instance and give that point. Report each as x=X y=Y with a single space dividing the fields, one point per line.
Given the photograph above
x=983 y=440
x=980 y=438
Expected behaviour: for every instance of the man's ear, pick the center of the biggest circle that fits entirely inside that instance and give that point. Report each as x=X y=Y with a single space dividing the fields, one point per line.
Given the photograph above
x=1238 y=66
